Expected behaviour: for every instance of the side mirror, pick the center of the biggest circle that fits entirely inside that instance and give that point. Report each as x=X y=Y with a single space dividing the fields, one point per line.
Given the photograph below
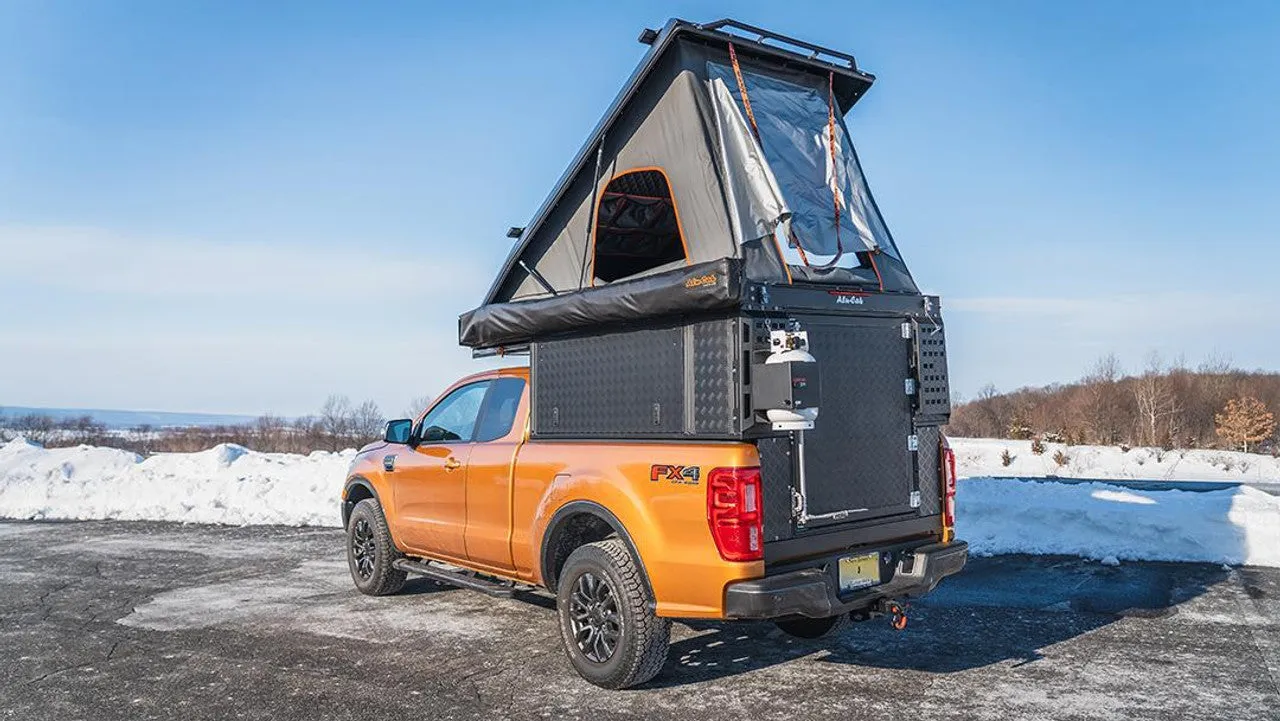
x=398 y=430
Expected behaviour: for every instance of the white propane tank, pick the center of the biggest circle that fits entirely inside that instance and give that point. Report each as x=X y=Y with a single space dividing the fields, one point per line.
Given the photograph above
x=790 y=346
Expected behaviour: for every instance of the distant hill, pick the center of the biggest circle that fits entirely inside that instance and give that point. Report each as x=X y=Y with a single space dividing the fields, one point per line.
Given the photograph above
x=129 y=419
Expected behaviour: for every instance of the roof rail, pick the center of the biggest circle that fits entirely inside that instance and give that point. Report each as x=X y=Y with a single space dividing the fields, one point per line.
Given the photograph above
x=815 y=51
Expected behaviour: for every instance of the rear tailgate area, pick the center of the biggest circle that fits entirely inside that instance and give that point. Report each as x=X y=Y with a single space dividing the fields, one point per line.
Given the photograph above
x=872 y=459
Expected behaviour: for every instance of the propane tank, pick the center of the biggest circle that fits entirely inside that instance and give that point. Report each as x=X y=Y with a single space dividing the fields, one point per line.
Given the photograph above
x=791 y=346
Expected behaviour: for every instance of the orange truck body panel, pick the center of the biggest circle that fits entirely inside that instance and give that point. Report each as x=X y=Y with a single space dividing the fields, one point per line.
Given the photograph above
x=487 y=506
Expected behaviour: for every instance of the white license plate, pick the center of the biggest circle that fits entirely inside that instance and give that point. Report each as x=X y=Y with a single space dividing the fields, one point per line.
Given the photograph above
x=859 y=571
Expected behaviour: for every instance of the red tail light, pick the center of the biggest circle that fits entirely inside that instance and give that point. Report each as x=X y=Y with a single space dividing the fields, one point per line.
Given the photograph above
x=948 y=485
x=733 y=513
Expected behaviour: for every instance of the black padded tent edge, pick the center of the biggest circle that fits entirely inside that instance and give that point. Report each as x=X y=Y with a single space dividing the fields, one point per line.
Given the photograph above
x=711 y=286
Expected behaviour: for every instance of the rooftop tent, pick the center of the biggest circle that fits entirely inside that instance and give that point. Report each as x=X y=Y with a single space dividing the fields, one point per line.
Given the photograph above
x=724 y=159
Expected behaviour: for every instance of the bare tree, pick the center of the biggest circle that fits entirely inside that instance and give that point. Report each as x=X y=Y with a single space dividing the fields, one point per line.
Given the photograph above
x=1102 y=407
x=1156 y=403
x=367 y=423
x=336 y=421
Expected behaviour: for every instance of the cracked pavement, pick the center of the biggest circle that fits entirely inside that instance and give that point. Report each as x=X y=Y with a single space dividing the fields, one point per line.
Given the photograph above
x=111 y=620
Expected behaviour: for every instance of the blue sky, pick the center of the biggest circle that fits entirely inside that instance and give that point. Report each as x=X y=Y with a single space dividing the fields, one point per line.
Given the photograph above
x=243 y=207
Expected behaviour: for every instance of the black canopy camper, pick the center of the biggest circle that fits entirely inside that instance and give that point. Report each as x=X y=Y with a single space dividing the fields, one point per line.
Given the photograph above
x=718 y=204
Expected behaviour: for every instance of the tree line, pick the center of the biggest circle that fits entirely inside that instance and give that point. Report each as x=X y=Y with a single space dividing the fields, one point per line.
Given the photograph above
x=339 y=424
x=1165 y=404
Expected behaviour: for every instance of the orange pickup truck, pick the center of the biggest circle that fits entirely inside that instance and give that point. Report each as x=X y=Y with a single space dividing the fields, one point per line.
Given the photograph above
x=627 y=534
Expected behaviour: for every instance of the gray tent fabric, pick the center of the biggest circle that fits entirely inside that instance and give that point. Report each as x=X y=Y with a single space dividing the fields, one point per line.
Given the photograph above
x=671 y=134
x=754 y=200
x=795 y=137
x=735 y=196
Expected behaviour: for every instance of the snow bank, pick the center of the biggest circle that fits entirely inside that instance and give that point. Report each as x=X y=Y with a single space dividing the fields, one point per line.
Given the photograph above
x=983 y=457
x=233 y=485
x=1096 y=520
x=226 y=484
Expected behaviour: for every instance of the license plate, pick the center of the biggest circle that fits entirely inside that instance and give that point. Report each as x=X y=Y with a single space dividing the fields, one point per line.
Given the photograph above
x=859 y=571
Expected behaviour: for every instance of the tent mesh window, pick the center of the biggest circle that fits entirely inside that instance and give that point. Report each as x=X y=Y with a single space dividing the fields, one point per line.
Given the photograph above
x=636 y=226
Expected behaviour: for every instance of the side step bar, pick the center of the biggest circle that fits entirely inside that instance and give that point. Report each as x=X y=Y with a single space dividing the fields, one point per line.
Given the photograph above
x=461 y=579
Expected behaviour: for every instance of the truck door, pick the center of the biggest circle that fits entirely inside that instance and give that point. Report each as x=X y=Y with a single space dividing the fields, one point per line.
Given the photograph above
x=499 y=433
x=429 y=479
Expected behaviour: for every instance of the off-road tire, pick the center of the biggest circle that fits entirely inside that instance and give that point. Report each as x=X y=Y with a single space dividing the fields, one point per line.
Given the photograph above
x=382 y=579
x=812 y=629
x=641 y=648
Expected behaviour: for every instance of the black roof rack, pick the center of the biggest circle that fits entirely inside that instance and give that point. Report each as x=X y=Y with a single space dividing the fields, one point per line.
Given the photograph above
x=761 y=36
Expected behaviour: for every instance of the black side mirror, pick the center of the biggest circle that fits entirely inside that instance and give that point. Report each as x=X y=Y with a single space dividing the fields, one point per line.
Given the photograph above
x=398 y=430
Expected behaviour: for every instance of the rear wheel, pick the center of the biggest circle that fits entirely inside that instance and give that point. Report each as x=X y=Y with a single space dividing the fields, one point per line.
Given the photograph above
x=814 y=628
x=370 y=551
x=611 y=634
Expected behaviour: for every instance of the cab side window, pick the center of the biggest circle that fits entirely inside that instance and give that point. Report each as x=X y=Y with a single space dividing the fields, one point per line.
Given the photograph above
x=499 y=412
x=453 y=419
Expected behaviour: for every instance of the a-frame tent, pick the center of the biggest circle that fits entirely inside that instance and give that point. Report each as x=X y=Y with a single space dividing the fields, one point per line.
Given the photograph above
x=725 y=159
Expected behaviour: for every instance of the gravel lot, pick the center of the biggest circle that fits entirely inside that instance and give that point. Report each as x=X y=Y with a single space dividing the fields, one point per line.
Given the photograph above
x=110 y=620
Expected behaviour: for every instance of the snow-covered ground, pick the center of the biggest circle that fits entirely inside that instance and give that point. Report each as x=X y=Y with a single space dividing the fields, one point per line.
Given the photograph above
x=231 y=485
x=984 y=457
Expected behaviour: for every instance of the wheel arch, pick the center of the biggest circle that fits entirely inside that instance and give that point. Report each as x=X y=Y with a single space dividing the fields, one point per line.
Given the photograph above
x=357 y=489
x=565 y=532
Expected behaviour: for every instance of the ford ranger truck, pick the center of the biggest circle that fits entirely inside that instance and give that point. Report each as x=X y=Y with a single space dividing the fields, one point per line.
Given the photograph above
x=626 y=535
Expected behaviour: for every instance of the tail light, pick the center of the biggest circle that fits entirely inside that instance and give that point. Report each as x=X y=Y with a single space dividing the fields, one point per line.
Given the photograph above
x=733 y=513
x=948 y=485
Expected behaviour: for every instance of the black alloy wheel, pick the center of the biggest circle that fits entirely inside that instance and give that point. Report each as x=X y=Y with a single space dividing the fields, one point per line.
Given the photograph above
x=594 y=619
x=362 y=548
x=371 y=554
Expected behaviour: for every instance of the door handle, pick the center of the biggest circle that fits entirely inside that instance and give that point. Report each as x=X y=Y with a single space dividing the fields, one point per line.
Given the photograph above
x=452 y=464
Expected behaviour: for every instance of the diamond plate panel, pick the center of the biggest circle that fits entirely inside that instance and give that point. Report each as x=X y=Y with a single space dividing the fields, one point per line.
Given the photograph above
x=615 y=385
x=775 y=472
x=714 y=395
x=928 y=467
x=856 y=455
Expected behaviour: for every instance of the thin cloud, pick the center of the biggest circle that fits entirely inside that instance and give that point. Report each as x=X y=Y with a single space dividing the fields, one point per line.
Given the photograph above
x=100 y=261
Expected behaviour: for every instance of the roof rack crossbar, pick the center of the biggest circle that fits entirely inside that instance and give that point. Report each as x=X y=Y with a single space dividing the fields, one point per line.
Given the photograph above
x=762 y=35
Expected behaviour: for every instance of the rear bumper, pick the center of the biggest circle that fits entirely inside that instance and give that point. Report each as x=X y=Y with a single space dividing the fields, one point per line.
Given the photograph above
x=814 y=592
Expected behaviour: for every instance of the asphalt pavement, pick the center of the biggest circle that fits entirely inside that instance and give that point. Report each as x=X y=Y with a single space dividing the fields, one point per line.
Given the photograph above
x=110 y=620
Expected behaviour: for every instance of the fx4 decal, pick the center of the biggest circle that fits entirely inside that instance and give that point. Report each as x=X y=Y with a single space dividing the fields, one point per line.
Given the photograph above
x=676 y=474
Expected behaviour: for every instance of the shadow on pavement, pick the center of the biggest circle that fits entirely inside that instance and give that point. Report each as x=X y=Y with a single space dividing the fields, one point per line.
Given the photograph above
x=1001 y=609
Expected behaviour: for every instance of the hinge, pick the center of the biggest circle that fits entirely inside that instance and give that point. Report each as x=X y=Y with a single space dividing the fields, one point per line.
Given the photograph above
x=915 y=499
x=906 y=330
x=913 y=442
x=910 y=386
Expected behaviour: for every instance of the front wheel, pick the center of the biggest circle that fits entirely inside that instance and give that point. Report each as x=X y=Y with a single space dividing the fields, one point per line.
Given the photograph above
x=370 y=551
x=611 y=634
